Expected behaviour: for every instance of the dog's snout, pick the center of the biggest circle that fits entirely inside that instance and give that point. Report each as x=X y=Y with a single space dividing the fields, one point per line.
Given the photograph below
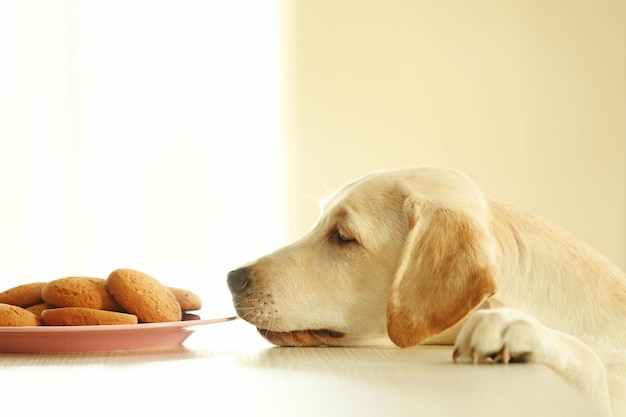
x=238 y=280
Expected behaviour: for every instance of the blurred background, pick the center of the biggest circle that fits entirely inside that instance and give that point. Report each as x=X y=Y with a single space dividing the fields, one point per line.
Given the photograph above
x=184 y=138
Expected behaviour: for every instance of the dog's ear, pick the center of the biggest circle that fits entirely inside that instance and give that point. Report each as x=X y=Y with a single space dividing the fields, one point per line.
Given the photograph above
x=446 y=270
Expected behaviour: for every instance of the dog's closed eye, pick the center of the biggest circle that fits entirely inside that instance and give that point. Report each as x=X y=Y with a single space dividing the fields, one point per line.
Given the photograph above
x=342 y=236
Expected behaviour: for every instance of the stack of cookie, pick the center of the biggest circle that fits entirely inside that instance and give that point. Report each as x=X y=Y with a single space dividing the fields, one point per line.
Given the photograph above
x=127 y=296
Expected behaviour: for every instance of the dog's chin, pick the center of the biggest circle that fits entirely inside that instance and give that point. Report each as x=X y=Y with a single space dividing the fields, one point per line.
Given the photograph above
x=322 y=337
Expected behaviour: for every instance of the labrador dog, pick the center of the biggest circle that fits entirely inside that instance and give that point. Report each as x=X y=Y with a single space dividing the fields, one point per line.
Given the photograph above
x=416 y=256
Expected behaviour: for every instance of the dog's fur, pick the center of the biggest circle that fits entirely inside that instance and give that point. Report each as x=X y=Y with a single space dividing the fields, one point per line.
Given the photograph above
x=421 y=255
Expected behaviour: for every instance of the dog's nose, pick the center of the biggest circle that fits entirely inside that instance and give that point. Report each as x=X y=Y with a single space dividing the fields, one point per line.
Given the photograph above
x=238 y=280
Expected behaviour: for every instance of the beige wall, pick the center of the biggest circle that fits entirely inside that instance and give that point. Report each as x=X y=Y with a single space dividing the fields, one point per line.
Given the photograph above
x=526 y=96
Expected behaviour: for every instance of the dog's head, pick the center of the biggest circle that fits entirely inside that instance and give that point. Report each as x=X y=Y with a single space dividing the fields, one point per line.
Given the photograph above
x=404 y=254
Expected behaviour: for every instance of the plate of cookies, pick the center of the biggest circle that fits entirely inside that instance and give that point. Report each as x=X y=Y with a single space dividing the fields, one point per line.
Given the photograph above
x=129 y=310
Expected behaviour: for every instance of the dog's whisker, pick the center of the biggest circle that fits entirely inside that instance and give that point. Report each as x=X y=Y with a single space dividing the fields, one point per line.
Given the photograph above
x=248 y=308
x=253 y=314
x=246 y=300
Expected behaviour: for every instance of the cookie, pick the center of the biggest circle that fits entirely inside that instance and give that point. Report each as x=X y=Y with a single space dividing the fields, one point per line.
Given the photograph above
x=143 y=296
x=190 y=316
x=11 y=315
x=82 y=316
x=188 y=300
x=38 y=308
x=23 y=295
x=80 y=292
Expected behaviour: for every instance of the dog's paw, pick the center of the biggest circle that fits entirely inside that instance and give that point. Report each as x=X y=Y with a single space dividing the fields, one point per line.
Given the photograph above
x=506 y=335
x=500 y=335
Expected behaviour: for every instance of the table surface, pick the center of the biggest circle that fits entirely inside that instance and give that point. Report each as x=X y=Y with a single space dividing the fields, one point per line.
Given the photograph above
x=228 y=369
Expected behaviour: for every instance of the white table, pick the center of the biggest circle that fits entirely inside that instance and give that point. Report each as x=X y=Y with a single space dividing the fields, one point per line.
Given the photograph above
x=228 y=369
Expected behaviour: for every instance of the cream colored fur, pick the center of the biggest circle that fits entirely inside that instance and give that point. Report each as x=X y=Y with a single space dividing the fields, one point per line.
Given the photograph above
x=421 y=255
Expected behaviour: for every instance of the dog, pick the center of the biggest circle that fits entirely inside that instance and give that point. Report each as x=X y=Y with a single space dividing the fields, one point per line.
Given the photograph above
x=421 y=256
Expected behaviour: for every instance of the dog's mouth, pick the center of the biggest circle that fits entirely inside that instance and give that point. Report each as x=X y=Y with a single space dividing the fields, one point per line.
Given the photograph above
x=321 y=337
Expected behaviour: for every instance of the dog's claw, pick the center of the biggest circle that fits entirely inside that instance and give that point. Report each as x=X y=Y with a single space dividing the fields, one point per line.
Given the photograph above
x=505 y=354
x=475 y=356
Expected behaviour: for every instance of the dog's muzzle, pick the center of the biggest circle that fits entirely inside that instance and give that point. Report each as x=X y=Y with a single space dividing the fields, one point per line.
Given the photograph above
x=240 y=282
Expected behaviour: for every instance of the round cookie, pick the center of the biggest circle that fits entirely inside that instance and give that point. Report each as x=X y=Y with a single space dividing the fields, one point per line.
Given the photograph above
x=23 y=295
x=188 y=300
x=38 y=308
x=11 y=315
x=80 y=292
x=143 y=296
x=82 y=316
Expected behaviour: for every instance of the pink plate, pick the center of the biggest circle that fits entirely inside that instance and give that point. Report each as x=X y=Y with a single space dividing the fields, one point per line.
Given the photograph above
x=47 y=339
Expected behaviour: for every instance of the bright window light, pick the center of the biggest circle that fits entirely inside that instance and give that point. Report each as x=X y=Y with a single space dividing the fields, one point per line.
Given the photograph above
x=140 y=134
